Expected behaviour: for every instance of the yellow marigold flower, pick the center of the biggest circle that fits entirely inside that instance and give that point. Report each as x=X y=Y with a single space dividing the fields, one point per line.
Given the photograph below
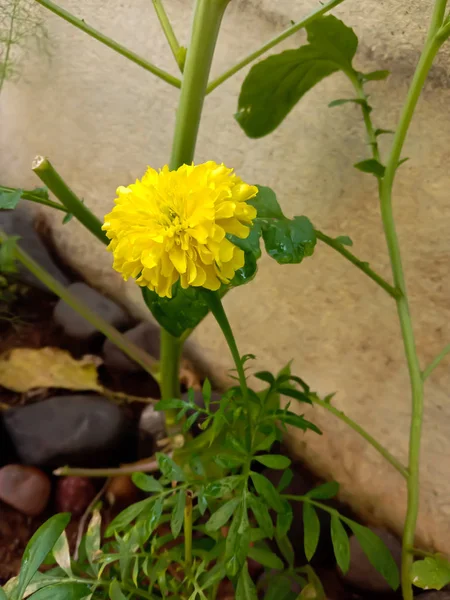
x=172 y=225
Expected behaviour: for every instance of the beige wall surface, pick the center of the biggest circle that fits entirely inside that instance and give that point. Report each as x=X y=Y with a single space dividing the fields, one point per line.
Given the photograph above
x=101 y=120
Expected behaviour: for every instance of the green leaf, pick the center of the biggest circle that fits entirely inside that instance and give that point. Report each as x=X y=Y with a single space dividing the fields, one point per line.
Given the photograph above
x=222 y=515
x=62 y=554
x=265 y=557
x=115 y=591
x=262 y=515
x=176 y=521
x=7 y=254
x=344 y=240
x=93 y=539
x=3 y=595
x=324 y=491
x=296 y=394
x=311 y=526
x=285 y=480
x=266 y=204
x=170 y=404
x=246 y=589
x=265 y=376
x=383 y=131
x=431 y=573
x=284 y=519
x=290 y=418
x=126 y=516
x=276 y=84
x=341 y=545
x=169 y=467
x=376 y=75
x=9 y=200
x=37 y=549
x=342 y=101
x=267 y=490
x=62 y=591
x=153 y=514
x=289 y=241
x=286 y=549
x=273 y=461
x=206 y=393
x=377 y=553
x=237 y=542
x=371 y=166
x=146 y=483
x=185 y=310
x=222 y=487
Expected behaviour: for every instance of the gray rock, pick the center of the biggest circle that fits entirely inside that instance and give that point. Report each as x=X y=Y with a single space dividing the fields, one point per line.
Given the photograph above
x=151 y=430
x=75 y=325
x=145 y=335
x=26 y=489
x=442 y=595
x=20 y=222
x=361 y=573
x=77 y=430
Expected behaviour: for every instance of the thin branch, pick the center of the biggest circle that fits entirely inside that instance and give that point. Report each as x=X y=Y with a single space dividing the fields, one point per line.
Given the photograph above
x=431 y=367
x=272 y=43
x=33 y=197
x=107 y=41
x=169 y=33
x=362 y=266
x=362 y=432
x=140 y=467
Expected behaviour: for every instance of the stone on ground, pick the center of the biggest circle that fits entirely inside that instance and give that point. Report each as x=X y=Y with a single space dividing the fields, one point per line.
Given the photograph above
x=144 y=335
x=25 y=488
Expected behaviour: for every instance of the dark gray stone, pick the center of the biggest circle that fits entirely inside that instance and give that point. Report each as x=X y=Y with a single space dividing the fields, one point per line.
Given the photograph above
x=75 y=325
x=77 y=430
x=442 y=595
x=361 y=573
x=145 y=335
x=20 y=222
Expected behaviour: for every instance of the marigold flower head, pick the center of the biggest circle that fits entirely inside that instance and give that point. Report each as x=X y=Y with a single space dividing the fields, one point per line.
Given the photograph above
x=172 y=225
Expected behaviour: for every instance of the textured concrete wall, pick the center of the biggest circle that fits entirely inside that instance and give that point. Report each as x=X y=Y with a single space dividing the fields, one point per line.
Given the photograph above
x=101 y=120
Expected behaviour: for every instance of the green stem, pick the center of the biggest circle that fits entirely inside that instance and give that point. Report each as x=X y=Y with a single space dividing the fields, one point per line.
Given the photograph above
x=33 y=197
x=205 y=29
x=272 y=43
x=430 y=50
x=430 y=368
x=365 y=109
x=216 y=307
x=49 y=177
x=130 y=349
x=362 y=266
x=362 y=432
x=168 y=32
x=107 y=41
x=188 y=530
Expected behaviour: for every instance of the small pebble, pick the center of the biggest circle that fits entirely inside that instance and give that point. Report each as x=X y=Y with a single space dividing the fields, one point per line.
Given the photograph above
x=121 y=492
x=74 y=325
x=145 y=335
x=74 y=494
x=361 y=573
x=25 y=488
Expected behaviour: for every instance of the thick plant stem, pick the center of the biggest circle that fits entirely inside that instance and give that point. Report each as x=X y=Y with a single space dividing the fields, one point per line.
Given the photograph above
x=362 y=432
x=49 y=177
x=130 y=349
x=205 y=29
x=188 y=530
x=107 y=41
x=431 y=47
x=216 y=307
x=273 y=42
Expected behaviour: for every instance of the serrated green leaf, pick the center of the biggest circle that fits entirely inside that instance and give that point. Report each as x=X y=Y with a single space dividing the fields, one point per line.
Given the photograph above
x=246 y=589
x=146 y=483
x=169 y=467
x=344 y=240
x=324 y=491
x=62 y=591
x=62 y=554
x=311 y=526
x=262 y=516
x=377 y=552
x=285 y=480
x=431 y=573
x=341 y=544
x=265 y=557
x=237 y=542
x=176 y=521
x=289 y=241
x=276 y=84
x=126 y=516
x=372 y=166
x=284 y=519
x=376 y=75
x=273 y=461
x=9 y=200
x=296 y=394
x=115 y=591
x=267 y=490
x=37 y=549
x=222 y=515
